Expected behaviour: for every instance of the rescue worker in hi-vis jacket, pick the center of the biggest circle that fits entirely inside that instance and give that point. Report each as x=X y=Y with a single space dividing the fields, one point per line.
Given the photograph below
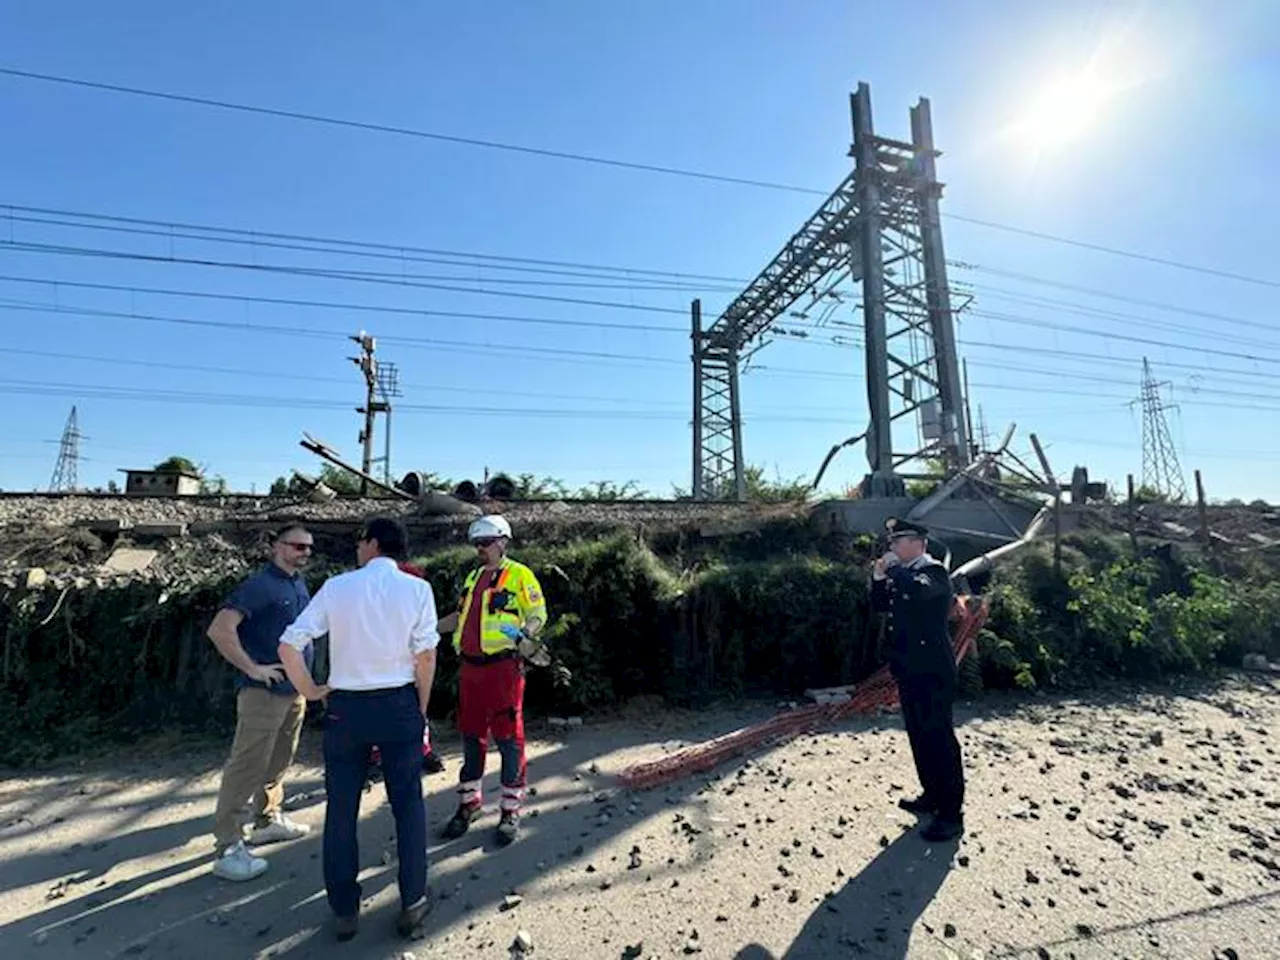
x=915 y=591
x=499 y=615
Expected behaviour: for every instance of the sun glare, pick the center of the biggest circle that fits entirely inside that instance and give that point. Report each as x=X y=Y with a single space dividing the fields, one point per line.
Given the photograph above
x=1063 y=112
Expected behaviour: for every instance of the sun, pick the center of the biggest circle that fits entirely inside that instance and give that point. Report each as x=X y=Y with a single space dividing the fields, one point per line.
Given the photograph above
x=1063 y=112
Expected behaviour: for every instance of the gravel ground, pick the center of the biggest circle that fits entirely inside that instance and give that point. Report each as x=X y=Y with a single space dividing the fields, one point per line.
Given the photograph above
x=46 y=511
x=1144 y=825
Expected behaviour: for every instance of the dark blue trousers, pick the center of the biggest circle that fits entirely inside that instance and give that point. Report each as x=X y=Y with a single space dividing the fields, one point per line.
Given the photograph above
x=390 y=720
x=927 y=713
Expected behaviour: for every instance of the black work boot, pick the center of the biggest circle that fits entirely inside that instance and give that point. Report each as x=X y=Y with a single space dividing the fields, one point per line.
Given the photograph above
x=918 y=805
x=460 y=822
x=943 y=828
x=508 y=827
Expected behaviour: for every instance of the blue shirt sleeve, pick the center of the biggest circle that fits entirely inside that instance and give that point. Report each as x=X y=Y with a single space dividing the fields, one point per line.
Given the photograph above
x=249 y=598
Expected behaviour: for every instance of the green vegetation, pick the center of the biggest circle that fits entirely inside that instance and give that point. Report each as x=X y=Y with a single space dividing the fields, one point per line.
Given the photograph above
x=760 y=489
x=341 y=482
x=1109 y=615
x=208 y=484
x=679 y=616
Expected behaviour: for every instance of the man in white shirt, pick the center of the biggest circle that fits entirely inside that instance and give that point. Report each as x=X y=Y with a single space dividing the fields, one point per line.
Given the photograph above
x=383 y=633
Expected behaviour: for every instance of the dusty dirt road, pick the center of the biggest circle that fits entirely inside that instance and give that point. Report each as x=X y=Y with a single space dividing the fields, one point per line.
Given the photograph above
x=1138 y=826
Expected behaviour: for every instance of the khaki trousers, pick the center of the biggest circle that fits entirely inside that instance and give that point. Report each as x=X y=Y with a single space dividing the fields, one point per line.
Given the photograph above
x=267 y=729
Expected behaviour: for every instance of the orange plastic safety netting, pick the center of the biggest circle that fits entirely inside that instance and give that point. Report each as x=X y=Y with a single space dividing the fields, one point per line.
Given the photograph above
x=877 y=691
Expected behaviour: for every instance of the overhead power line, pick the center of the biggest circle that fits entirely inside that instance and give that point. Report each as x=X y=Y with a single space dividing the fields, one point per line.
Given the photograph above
x=400 y=278
x=304 y=271
x=427 y=342
x=167 y=229
x=1108 y=295
x=381 y=308
x=595 y=160
x=1122 y=399
x=1127 y=338
x=275 y=374
x=327 y=304
x=413 y=280
x=556 y=352
x=402 y=131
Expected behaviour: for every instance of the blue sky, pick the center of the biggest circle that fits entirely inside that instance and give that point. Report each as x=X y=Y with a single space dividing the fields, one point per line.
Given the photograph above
x=1176 y=162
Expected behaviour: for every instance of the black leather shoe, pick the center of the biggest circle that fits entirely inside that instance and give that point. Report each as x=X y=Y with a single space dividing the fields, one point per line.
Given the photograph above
x=346 y=927
x=432 y=764
x=918 y=805
x=942 y=829
x=409 y=923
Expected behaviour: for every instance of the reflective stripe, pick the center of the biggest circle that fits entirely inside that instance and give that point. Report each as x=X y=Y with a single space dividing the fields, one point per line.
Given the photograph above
x=523 y=585
x=512 y=797
x=470 y=791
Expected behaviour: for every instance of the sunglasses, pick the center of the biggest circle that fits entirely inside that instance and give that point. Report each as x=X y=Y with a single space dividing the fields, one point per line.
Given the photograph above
x=300 y=547
x=485 y=542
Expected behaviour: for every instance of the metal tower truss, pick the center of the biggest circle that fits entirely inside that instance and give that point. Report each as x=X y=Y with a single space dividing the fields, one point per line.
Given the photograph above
x=1161 y=471
x=65 y=471
x=878 y=228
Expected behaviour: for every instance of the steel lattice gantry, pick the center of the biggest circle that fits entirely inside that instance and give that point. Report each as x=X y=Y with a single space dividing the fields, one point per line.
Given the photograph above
x=879 y=227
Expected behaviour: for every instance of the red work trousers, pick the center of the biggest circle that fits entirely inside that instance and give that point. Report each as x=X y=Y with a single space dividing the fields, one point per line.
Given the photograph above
x=491 y=700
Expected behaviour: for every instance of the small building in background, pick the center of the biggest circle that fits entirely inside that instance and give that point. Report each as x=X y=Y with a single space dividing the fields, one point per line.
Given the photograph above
x=161 y=483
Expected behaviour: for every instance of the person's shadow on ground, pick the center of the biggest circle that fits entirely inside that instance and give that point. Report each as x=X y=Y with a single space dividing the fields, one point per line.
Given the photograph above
x=873 y=914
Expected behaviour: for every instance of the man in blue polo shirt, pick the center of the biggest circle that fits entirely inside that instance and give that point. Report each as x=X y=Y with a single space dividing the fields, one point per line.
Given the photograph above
x=269 y=711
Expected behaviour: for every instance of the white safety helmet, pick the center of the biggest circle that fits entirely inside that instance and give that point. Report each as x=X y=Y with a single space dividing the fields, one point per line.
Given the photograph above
x=491 y=526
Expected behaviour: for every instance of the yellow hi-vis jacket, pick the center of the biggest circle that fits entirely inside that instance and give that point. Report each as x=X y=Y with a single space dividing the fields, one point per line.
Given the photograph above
x=513 y=598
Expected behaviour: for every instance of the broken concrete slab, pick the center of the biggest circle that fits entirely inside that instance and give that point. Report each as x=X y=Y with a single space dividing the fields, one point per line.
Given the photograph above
x=129 y=559
x=104 y=525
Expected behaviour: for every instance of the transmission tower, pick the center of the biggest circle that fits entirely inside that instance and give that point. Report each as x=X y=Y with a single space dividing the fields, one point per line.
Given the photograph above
x=1161 y=470
x=66 y=471
x=879 y=229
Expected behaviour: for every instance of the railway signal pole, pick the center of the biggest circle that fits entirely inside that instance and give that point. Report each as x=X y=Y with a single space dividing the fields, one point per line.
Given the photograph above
x=382 y=382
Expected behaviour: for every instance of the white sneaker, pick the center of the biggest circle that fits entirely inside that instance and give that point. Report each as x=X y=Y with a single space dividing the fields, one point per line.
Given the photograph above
x=237 y=863
x=278 y=828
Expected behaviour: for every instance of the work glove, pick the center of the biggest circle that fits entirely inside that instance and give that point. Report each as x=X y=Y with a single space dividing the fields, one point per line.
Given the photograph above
x=535 y=651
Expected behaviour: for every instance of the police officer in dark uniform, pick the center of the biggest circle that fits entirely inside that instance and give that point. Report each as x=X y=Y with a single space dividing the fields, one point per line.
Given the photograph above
x=915 y=591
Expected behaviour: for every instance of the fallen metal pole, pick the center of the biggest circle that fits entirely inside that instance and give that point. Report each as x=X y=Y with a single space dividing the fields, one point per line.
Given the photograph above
x=320 y=450
x=826 y=461
x=960 y=479
x=983 y=563
x=1055 y=489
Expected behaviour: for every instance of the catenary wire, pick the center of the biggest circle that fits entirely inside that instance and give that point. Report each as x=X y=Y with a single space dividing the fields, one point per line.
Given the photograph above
x=381 y=308
x=584 y=355
x=600 y=161
x=402 y=279
x=323 y=244
x=447 y=288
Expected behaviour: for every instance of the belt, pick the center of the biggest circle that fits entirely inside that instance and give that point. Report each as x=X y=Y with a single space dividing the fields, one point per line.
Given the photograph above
x=487 y=658
x=377 y=692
